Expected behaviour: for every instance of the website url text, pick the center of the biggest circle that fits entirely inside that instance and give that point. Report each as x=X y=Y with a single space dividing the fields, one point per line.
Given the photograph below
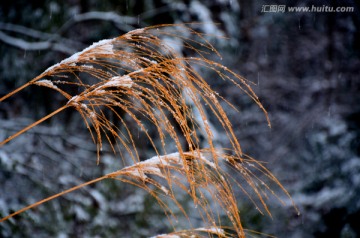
x=323 y=8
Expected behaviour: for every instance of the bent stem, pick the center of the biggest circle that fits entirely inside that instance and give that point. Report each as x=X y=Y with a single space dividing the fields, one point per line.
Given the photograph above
x=54 y=196
x=138 y=75
x=33 y=124
x=21 y=88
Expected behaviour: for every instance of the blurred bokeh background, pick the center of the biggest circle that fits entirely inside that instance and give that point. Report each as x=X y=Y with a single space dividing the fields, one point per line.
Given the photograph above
x=306 y=69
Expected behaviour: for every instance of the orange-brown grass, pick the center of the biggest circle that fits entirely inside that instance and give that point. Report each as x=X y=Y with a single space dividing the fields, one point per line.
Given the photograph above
x=142 y=77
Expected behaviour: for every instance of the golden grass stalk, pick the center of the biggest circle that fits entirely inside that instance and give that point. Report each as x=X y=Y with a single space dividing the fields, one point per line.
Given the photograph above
x=161 y=174
x=212 y=232
x=140 y=77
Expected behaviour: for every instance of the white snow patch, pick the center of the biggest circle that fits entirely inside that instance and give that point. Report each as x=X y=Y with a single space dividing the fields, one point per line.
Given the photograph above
x=74 y=99
x=93 y=115
x=99 y=91
x=151 y=166
x=46 y=83
x=138 y=71
x=148 y=166
x=153 y=170
x=87 y=66
x=149 y=60
x=166 y=236
x=163 y=160
x=213 y=230
x=84 y=106
x=100 y=47
x=165 y=190
x=119 y=81
x=133 y=32
x=137 y=173
x=105 y=49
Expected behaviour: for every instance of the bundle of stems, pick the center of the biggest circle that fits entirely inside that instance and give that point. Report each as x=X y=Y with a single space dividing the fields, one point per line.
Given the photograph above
x=142 y=77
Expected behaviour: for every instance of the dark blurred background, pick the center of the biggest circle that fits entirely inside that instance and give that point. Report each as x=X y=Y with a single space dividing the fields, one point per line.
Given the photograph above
x=306 y=69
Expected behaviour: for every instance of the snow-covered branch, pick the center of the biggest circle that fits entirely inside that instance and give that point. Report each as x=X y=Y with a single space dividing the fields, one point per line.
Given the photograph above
x=121 y=22
x=41 y=45
x=26 y=31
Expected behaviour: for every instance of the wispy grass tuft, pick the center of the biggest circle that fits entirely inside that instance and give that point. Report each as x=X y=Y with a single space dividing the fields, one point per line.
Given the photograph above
x=141 y=77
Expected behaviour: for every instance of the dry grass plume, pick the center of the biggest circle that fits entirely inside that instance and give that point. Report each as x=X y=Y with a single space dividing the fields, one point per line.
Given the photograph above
x=139 y=75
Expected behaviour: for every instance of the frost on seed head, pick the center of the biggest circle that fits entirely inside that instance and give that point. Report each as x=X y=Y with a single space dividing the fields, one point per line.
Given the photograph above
x=166 y=236
x=46 y=83
x=92 y=115
x=74 y=99
x=119 y=81
x=104 y=47
x=213 y=230
x=133 y=32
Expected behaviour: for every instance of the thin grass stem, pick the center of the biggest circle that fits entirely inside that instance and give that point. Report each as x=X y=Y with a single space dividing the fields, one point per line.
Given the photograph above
x=53 y=197
x=33 y=125
x=20 y=88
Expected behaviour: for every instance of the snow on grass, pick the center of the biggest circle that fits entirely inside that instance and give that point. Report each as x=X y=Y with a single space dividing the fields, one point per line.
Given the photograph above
x=119 y=81
x=154 y=164
x=104 y=47
x=74 y=99
x=150 y=166
x=133 y=32
x=166 y=236
x=213 y=230
x=137 y=173
x=46 y=83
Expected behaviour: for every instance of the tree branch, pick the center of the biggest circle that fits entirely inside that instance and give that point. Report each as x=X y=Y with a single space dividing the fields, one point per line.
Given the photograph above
x=39 y=35
x=121 y=22
x=41 y=45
